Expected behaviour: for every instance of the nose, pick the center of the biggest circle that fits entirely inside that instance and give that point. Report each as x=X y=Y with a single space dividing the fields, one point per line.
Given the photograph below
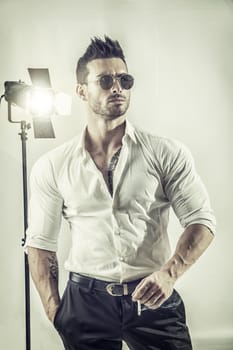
x=116 y=88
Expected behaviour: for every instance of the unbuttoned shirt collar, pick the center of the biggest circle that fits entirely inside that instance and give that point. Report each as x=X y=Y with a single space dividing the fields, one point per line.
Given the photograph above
x=129 y=133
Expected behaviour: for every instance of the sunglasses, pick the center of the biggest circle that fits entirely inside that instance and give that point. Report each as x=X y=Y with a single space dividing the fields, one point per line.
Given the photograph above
x=107 y=81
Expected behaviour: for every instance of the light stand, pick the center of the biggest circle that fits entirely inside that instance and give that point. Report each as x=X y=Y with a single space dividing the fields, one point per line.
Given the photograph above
x=42 y=129
x=24 y=126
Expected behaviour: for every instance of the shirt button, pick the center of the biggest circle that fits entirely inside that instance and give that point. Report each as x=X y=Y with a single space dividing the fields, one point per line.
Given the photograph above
x=117 y=232
x=121 y=258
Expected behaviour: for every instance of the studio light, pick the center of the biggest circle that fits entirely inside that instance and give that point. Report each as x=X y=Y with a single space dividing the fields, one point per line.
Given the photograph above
x=37 y=101
x=41 y=102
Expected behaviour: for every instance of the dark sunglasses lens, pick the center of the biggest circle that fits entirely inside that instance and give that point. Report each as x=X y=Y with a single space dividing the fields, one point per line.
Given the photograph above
x=126 y=81
x=106 y=82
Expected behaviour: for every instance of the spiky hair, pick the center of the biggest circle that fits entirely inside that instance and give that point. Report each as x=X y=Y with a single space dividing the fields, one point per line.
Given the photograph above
x=98 y=48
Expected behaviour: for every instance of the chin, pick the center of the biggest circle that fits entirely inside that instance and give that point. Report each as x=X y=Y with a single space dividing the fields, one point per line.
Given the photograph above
x=117 y=113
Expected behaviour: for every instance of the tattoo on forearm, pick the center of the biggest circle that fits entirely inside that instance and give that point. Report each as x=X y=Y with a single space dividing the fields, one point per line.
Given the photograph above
x=53 y=267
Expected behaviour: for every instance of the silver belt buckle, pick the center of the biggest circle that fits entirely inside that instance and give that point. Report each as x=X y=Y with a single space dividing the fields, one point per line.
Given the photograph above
x=110 y=287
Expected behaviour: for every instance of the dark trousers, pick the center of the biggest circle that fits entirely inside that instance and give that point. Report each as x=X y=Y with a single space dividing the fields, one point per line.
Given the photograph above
x=88 y=319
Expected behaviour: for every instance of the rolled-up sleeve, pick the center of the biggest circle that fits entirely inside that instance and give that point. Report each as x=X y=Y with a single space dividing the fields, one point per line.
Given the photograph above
x=45 y=207
x=185 y=189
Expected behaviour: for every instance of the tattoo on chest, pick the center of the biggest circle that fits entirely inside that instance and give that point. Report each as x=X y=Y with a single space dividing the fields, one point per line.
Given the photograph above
x=111 y=169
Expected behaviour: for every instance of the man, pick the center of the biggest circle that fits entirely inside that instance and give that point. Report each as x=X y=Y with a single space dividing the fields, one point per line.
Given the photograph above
x=115 y=185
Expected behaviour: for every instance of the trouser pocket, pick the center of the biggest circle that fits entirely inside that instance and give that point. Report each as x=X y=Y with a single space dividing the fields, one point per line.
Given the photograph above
x=171 y=303
x=58 y=315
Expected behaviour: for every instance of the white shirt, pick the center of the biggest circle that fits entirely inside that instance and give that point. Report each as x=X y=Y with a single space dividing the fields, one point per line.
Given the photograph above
x=121 y=237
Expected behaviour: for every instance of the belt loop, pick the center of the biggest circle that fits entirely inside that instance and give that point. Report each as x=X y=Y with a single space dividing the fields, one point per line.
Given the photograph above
x=91 y=283
x=125 y=289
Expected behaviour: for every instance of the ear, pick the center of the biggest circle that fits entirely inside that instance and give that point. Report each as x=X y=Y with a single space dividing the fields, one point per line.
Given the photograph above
x=81 y=91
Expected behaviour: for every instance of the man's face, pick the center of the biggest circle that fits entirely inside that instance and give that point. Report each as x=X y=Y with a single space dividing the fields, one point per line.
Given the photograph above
x=107 y=104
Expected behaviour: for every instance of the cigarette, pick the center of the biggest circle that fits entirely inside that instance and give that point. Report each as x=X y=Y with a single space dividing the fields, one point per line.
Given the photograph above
x=139 y=308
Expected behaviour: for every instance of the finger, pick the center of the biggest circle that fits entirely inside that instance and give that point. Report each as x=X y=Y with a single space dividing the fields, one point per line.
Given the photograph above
x=148 y=295
x=153 y=299
x=141 y=289
x=156 y=301
x=139 y=285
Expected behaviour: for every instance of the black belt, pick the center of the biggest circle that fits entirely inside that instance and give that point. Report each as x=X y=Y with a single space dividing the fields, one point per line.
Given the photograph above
x=114 y=288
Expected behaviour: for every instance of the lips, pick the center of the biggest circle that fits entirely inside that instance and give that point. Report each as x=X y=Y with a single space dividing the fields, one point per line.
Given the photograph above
x=116 y=99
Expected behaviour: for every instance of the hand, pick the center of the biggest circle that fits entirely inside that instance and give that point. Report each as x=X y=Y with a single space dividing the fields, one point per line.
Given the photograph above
x=153 y=290
x=51 y=312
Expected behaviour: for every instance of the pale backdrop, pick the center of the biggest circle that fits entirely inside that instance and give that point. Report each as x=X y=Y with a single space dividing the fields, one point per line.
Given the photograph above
x=181 y=54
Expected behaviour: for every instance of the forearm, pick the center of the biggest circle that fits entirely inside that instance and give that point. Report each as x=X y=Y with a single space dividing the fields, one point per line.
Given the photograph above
x=192 y=243
x=44 y=271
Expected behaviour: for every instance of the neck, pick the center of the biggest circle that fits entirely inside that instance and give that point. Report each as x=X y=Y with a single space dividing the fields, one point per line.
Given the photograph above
x=105 y=135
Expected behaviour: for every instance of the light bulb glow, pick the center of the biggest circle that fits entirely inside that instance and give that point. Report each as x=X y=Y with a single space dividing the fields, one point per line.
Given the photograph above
x=40 y=101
